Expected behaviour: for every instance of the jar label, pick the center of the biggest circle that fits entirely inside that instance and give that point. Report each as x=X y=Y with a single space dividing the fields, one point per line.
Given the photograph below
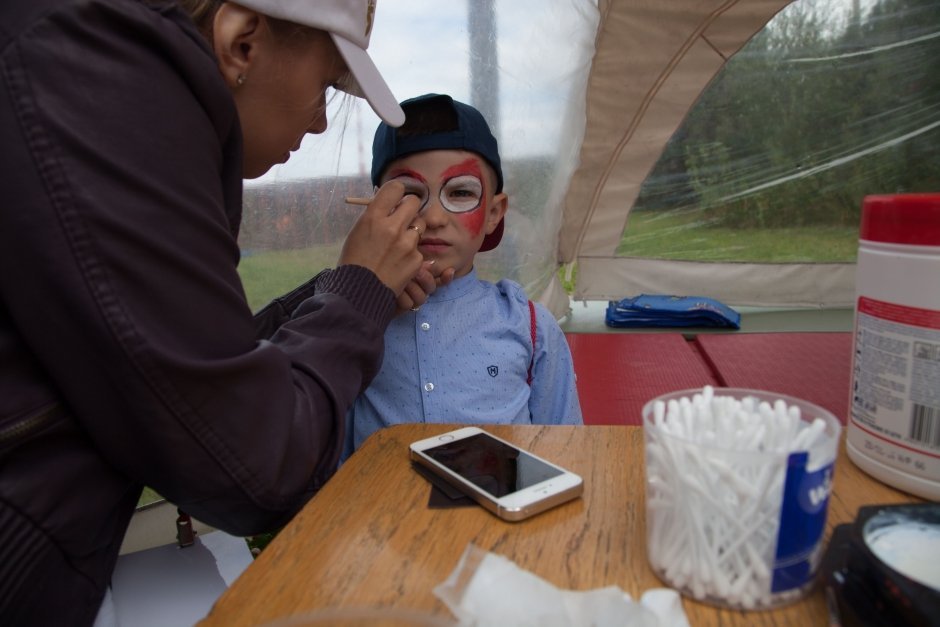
x=802 y=523
x=896 y=384
x=907 y=316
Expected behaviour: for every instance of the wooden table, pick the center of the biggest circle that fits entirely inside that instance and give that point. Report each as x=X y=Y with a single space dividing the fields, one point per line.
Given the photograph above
x=369 y=539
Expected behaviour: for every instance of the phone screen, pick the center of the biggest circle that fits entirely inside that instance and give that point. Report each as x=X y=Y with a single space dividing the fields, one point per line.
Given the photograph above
x=492 y=465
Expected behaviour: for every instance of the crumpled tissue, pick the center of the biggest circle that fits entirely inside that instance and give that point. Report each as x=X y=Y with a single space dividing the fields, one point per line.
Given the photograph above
x=488 y=589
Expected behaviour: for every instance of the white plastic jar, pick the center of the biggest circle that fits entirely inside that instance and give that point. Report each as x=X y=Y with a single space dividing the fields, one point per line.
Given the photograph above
x=893 y=429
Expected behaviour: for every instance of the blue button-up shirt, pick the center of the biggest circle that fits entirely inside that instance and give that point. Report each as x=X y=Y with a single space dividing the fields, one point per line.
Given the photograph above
x=464 y=357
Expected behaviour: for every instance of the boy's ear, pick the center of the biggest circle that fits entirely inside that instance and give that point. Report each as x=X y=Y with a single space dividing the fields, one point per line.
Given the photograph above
x=497 y=211
x=236 y=33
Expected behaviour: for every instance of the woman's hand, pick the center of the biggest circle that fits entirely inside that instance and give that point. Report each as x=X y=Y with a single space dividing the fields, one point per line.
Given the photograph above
x=385 y=240
x=423 y=285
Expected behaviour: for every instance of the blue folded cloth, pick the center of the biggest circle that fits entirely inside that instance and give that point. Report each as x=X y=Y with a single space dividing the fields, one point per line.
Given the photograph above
x=654 y=310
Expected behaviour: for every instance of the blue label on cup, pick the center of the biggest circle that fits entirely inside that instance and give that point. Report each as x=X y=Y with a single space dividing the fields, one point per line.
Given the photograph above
x=802 y=523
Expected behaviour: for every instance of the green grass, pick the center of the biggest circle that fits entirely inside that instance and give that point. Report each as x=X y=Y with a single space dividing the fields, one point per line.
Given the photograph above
x=683 y=235
x=148 y=496
x=270 y=274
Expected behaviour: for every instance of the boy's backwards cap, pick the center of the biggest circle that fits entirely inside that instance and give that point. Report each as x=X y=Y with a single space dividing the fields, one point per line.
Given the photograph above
x=349 y=23
x=471 y=133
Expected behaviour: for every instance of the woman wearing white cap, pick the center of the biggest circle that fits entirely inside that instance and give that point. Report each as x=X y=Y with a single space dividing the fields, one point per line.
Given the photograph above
x=128 y=353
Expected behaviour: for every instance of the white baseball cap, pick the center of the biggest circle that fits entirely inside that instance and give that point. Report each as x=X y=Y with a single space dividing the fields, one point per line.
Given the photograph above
x=349 y=23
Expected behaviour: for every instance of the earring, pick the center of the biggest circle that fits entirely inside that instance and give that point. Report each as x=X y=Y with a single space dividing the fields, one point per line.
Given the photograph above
x=240 y=80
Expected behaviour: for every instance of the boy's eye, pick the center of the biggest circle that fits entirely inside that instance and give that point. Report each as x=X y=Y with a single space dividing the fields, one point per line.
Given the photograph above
x=414 y=187
x=462 y=193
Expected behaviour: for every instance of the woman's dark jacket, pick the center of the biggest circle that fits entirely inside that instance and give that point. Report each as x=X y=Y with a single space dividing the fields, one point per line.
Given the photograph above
x=128 y=353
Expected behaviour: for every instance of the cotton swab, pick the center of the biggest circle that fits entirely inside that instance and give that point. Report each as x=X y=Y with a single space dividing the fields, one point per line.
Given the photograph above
x=716 y=467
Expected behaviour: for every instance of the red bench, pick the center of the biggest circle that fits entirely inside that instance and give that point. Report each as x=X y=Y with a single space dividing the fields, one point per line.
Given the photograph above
x=813 y=366
x=619 y=372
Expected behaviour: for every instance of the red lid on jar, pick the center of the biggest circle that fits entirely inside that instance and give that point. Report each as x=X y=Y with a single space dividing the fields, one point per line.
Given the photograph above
x=902 y=219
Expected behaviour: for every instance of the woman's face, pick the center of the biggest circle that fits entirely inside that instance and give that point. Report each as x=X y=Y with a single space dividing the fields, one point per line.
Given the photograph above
x=283 y=96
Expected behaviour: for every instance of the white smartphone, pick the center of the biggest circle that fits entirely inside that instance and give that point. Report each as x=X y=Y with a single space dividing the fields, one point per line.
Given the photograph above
x=508 y=481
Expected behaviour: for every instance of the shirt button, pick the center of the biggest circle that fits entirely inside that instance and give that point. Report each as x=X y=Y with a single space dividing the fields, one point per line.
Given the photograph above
x=428 y=386
x=425 y=326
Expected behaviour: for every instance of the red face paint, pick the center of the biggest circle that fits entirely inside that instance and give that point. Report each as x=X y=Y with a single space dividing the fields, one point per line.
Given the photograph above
x=394 y=174
x=472 y=221
x=470 y=166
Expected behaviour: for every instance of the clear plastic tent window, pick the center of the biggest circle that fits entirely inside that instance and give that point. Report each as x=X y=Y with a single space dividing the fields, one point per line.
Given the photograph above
x=715 y=148
x=523 y=63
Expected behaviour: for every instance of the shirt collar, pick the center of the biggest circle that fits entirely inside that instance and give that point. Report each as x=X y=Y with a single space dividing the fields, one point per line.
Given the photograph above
x=456 y=288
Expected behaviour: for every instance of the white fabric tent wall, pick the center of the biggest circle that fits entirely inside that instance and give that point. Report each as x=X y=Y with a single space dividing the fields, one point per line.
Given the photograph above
x=652 y=61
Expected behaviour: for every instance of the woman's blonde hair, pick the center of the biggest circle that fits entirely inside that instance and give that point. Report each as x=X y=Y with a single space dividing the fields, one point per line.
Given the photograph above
x=202 y=12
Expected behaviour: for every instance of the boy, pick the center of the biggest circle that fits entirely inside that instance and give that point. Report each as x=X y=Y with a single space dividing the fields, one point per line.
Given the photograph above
x=475 y=352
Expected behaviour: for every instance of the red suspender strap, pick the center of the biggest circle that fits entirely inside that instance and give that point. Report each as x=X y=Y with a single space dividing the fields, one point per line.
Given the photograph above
x=532 y=329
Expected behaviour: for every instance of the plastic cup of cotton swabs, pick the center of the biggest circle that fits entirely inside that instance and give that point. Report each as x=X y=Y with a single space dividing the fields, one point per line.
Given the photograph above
x=737 y=491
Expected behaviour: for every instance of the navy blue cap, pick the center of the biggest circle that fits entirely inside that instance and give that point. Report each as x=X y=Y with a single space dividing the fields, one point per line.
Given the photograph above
x=470 y=132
